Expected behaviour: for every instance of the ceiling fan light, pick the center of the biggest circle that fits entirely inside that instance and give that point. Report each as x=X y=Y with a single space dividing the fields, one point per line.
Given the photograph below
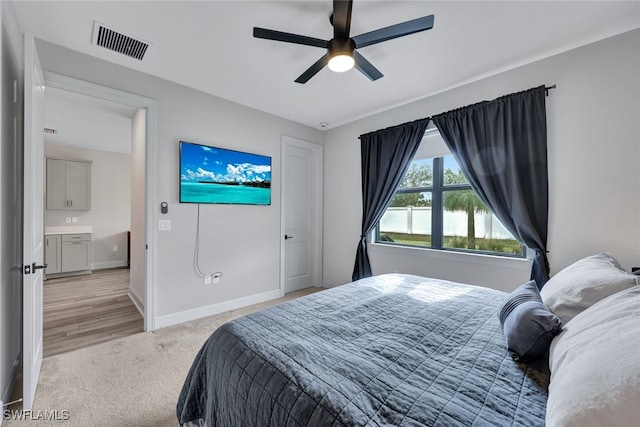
x=341 y=62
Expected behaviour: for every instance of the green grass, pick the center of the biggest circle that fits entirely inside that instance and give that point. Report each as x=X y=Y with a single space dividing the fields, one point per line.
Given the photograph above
x=506 y=246
x=409 y=239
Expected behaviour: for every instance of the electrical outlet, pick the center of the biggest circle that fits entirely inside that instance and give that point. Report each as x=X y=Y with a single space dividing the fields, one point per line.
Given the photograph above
x=216 y=279
x=207 y=279
x=74 y=219
x=67 y=220
x=115 y=248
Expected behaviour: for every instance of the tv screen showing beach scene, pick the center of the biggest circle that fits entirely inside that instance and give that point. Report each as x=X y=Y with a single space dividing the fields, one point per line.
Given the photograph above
x=219 y=175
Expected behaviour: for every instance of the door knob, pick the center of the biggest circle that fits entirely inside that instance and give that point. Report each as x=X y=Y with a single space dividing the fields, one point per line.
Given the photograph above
x=35 y=267
x=287 y=237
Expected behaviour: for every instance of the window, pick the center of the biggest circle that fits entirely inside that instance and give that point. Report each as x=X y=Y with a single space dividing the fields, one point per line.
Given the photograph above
x=435 y=207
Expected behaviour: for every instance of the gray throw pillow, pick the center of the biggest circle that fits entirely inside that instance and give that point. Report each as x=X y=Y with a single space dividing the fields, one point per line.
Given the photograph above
x=527 y=323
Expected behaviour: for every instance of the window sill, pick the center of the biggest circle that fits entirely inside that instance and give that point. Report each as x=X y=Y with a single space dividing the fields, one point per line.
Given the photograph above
x=515 y=263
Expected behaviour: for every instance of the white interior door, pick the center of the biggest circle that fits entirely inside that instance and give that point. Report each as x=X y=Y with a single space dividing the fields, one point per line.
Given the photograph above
x=33 y=233
x=302 y=210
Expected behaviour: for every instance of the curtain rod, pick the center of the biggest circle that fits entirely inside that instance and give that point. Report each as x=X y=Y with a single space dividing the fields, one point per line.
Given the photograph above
x=548 y=88
x=546 y=93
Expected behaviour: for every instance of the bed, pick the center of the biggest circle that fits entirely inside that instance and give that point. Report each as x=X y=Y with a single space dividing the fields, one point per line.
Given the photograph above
x=394 y=349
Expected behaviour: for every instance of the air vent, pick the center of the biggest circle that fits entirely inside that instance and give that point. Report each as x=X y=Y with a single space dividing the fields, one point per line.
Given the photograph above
x=50 y=130
x=118 y=42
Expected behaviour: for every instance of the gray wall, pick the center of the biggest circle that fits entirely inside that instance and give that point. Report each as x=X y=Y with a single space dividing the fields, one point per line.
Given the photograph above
x=10 y=200
x=594 y=152
x=243 y=242
x=110 y=202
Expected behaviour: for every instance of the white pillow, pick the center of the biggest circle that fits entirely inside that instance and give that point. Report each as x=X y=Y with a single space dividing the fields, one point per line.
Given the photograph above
x=584 y=283
x=595 y=366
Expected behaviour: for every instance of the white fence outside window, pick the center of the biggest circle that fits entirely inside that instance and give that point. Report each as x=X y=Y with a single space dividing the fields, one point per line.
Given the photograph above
x=417 y=220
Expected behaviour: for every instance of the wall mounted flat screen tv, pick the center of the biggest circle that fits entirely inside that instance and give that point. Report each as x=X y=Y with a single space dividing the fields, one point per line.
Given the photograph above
x=219 y=175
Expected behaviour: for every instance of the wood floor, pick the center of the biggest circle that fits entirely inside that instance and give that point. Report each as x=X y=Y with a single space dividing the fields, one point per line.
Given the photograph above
x=85 y=310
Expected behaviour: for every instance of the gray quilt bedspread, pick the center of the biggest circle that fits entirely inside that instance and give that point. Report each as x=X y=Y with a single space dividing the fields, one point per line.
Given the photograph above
x=388 y=350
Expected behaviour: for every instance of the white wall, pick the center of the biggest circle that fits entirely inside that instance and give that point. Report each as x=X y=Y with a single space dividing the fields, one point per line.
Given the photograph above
x=86 y=121
x=10 y=200
x=136 y=273
x=593 y=121
x=243 y=242
x=110 y=214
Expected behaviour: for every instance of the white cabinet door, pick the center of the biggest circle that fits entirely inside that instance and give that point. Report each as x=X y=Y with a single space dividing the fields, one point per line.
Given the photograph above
x=75 y=256
x=68 y=185
x=56 y=184
x=52 y=254
x=76 y=252
x=79 y=185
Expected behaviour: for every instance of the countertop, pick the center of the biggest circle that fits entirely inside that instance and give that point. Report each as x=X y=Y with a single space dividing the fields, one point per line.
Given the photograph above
x=70 y=229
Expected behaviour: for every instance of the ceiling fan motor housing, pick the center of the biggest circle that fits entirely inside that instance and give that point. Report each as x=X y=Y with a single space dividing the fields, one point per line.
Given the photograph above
x=340 y=46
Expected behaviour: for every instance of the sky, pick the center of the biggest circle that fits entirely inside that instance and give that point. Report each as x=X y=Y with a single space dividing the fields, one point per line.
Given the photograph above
x=204 y=163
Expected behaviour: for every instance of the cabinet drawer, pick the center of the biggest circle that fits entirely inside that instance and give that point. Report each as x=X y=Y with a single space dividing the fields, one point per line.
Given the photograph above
x=76 y=237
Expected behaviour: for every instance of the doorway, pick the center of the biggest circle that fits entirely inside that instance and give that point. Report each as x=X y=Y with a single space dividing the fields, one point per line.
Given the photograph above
x=89 y=295
x=145 y=122
x=302 y=168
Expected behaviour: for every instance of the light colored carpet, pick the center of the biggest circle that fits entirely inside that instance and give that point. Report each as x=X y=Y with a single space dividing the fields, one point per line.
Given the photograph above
x=131 y=381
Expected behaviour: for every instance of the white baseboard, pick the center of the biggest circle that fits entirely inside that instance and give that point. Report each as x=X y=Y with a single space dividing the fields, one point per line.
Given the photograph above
x=210 y=310
x=136 y=301
x=108 y=264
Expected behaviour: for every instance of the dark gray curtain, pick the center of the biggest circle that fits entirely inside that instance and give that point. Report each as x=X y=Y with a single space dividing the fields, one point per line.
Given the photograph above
x=501 y=146
x=386 y=155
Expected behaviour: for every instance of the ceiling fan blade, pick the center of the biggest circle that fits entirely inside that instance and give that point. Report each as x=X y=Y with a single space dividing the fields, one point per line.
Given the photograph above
x=263 y=33
x=394 y=31
x=365 y=67
x=313 y=70
x=341 y=18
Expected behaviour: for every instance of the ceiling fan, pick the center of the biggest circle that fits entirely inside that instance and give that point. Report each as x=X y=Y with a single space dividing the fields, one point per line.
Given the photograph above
x=341 y=49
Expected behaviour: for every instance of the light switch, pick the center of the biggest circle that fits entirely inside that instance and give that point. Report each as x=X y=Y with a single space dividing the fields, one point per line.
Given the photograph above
x=74 y=219
x=67 y=220
x=164 y=225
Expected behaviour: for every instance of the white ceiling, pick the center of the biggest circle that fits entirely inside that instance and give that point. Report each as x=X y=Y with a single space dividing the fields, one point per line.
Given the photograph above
x=208 y=45
x=88 y=122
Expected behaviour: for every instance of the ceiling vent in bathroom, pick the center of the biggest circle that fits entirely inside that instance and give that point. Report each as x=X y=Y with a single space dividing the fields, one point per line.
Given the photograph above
x=118 y=42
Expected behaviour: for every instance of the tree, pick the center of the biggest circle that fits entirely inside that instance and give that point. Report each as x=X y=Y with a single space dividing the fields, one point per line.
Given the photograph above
x=463 y=200
x=418 y=175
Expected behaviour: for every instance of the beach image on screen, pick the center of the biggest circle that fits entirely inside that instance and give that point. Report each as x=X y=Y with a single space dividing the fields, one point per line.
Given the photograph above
x=217 y=175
